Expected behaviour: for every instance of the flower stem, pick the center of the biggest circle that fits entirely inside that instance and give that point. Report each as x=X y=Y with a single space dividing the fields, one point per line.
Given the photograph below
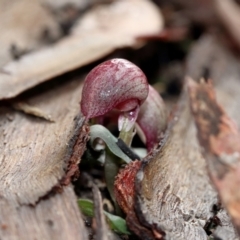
x=126 y=126
x=127 y=136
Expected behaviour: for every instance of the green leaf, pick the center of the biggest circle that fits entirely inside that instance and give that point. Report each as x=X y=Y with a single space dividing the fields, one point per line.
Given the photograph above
x=111 y=169
x=99 y=131
x=116 y=223
x=86 y=207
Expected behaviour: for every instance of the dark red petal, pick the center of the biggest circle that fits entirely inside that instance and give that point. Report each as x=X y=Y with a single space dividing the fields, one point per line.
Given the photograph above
x=152 y=118
x=116 y=83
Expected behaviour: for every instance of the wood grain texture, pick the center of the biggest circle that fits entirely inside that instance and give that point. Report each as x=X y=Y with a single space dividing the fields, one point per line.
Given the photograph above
x=56 y=218
x=220 y=140
x=223 y=68
x=38 y=158
x=174 y=191
x=80 y=48
x=34 y=153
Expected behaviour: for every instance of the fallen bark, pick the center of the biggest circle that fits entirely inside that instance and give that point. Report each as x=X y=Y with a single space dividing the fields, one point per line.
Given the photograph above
x=222 y=66
x=79 y=48
x=174 y=197
x=38 y=161
x=57 y=217
x=219 y=136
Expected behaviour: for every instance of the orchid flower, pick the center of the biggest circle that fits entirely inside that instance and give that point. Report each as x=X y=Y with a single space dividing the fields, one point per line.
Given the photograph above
x=119 y=84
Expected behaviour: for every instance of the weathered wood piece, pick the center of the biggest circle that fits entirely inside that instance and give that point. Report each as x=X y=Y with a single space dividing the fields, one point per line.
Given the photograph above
x=38 y=159
x=223 y=68
x=174 y=192
x=56 y=218
x=80 y=47
x=220 y=140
